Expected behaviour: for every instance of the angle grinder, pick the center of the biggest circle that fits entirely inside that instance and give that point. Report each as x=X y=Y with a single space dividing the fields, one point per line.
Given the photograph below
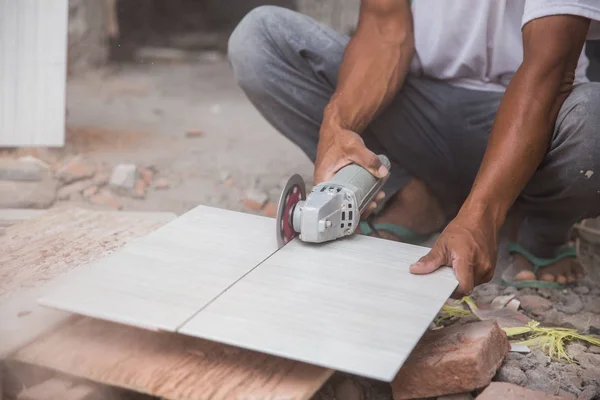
x=332 y=209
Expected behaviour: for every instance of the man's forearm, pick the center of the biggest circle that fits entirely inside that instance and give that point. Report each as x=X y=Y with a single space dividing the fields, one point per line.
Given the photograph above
x=375 y=64
x=523 y=128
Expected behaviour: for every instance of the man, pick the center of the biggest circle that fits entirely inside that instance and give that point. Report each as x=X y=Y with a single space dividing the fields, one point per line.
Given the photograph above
x=478 y=104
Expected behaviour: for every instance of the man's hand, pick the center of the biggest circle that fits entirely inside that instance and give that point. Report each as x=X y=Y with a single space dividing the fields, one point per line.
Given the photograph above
x=469 y=246
x=340 y=147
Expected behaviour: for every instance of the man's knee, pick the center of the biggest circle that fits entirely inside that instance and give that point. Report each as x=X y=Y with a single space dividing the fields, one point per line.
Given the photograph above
x=250 y=41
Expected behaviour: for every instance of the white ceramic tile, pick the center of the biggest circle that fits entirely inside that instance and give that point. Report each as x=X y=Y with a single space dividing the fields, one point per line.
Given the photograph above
x=351 y=305
x=160 y=280
x=33 y=59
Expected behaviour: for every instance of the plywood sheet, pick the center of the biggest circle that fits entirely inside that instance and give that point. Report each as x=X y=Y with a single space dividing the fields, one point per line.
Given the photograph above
x=33 y=56
x=161 y=280
x=34 y=252
x=169 y=365
x=351 y=305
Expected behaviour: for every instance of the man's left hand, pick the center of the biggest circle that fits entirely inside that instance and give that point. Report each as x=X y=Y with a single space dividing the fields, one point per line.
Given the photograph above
x=469 y=246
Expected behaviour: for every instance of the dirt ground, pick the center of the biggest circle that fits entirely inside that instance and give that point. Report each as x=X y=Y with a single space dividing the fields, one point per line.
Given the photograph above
x=141 y=113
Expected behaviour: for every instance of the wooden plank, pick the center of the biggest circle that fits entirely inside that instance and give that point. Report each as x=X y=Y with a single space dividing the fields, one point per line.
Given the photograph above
x=33 y=49
x=350 y=305
x=169 y=365
x=40 y=249
x=160 y=281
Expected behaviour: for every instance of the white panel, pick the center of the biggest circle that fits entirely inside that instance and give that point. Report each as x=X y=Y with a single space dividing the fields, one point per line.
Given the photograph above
x=33 y=59
x=161 y=280
x=350 y=305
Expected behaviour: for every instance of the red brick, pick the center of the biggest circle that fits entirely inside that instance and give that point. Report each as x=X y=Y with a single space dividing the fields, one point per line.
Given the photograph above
x=456 y=359
x=75 y=169
x=270 y=210
x=508 y=391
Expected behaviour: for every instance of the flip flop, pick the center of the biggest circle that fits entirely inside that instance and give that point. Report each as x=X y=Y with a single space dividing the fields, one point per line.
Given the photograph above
x=405 y=235
x=537 y=262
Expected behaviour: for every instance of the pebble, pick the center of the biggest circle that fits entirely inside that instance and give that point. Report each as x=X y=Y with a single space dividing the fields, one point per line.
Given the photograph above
x=582 y=290
x=511 y=374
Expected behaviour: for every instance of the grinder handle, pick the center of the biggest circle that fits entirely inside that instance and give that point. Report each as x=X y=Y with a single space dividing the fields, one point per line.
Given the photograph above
x=361 y=181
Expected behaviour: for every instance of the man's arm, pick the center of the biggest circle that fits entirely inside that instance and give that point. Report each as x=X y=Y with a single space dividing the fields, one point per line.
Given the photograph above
x=520 y=138
x=375 y=64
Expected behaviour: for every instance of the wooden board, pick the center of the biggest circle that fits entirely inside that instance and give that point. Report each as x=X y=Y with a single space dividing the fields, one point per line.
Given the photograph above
x=35 y=251
x=33 y=56
x=162 y=364
x=350 y=305
x=161 y=280
x=169 y=365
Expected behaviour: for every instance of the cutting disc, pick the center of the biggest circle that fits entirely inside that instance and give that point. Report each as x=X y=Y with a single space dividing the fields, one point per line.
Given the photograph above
x=292 y=193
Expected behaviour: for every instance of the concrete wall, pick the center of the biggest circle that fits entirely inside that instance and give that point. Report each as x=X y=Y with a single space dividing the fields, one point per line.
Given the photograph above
x=88 y=35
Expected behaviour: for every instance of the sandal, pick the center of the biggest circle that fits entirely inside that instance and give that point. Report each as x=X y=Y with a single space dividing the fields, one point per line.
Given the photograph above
x=404 y=235
x=537 y=263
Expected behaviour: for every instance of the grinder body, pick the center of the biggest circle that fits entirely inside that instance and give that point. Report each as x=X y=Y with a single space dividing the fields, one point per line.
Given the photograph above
x=333 y=209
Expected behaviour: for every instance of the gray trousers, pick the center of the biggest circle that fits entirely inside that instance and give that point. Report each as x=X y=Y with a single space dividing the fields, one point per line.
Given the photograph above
x=287 y=65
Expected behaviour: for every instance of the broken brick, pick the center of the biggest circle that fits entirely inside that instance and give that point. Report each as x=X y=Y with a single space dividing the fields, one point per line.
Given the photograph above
x=139 y=190
x=75 y=169
x=146 y=174
x=161 y=184
x=534 y=304
x=270 y=210
x=105 y=200
x=505 y=391
x=255 y=200
x=92 y=190
x=66 y=192
x=101 y=178
x=194 y=133
x=456 y=359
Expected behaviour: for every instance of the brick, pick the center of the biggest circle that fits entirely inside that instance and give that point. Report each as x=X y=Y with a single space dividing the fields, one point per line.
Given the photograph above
x=508 y=391
x=146 y=174
x=270 y=210
x=255 y=200
x=66 y=192
x=139 y=190
x=101 y=178
x=161 y=184
x=90 y=191
x=457 y=359
x=534 y=304
x=123 y=177
x=194 y=133
x=22 y=170
x=106 y=200
x=74 y=170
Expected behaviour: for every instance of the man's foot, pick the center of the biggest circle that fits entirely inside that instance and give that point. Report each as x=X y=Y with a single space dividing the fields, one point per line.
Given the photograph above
x=566 y=270
x=414 y=208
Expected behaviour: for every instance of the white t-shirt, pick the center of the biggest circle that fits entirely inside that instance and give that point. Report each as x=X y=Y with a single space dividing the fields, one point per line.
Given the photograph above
x=478 y=44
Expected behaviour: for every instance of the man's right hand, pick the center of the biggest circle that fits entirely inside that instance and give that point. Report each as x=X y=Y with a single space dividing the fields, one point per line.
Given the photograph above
x=339 y=147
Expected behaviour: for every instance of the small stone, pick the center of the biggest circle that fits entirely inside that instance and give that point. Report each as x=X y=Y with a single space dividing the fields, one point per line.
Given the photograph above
x=28 y=194
x=589 y=361
x=510 y=290
x=92 y=190
x=574 y=349
x=572 y=304
x=123 y=177
x=590 y=392
x=347 y=390
x=105 y=199
x=146 y=174
x=545 y=292
x=501 y=301
x=508 y=391
x=594 y=349
x=139 y=190
x=540 y=357
x=538 y=379
x=534 y=304
x=592 y=304
x=255 y=200
x=270 y=210
x=68 y=191
x=194 y=133
x=456 y=359
x=511 y=374
x=486 y=292
x=161 y=184
x=74 y=170
x=582 y=290
x=22 y=170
